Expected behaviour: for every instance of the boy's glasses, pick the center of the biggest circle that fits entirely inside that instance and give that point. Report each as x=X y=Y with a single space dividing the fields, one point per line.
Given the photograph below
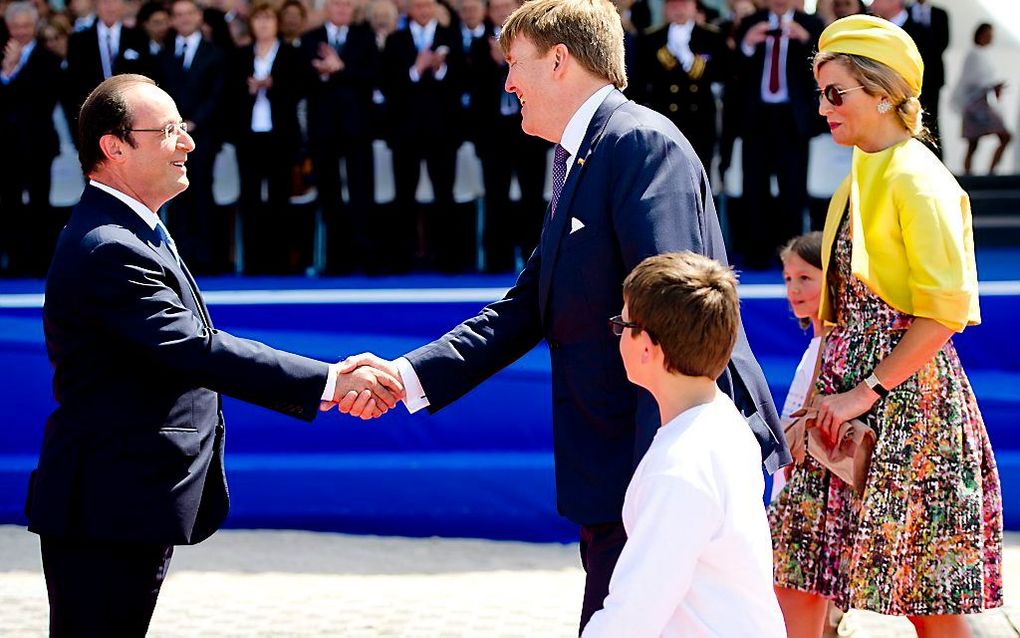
x=834 y=95
x=617 y=324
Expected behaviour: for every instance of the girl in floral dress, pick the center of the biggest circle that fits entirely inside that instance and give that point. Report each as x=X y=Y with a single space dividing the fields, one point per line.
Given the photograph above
x=924 y=537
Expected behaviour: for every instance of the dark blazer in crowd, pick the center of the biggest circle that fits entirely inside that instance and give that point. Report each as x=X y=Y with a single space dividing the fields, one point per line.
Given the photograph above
x=504 y=150
x=28 y=233
x=632 y=197
x=421 y=127
x=932 y=41
x=198 y=91
x=270 y=236
x=775 y=138
x=340 y=125
x=85 y=65
x=685 y=97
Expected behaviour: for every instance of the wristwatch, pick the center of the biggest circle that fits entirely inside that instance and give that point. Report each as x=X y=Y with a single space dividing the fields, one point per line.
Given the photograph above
x=876 y=386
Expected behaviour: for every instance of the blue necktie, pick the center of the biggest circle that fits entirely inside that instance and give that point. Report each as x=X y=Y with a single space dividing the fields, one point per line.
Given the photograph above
x=560 y=156
x=164 y=235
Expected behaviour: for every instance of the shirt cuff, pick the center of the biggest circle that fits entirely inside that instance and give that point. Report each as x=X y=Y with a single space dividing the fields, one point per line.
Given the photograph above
x=415 y=76
x=330 y=391
x=414 y=394
x=441 y=73
x=748 y=51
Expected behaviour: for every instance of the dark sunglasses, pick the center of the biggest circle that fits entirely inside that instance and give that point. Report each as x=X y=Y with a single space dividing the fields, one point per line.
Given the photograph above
x=834 y=95
x=617 y=324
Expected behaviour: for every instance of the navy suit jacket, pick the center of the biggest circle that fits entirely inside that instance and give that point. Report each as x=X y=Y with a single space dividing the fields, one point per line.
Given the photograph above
x=134 y=450
x=639 y=191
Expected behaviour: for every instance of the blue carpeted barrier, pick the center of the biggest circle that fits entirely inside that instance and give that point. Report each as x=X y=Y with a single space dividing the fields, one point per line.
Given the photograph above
x=482 y=467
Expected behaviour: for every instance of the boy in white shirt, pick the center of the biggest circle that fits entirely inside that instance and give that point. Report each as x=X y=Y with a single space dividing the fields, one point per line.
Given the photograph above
x=698 y=559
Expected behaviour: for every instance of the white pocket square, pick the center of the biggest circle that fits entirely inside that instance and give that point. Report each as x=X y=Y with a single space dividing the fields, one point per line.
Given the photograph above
x=575 y=225
x=131 y=54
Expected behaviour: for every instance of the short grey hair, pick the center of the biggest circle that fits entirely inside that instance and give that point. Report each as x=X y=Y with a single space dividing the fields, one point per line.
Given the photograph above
x=21 y=7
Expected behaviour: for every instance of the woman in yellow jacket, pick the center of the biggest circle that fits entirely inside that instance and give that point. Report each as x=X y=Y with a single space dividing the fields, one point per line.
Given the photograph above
x=924 y=537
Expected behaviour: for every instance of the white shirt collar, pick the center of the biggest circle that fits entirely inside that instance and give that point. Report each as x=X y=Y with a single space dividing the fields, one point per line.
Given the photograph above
x=141 y=209
x=776 y=20
x=192 y=42
x=424 y=35
x=573 y=134
x=333 y=31
x=477 y=32
x=899 y=18
x=102 y=29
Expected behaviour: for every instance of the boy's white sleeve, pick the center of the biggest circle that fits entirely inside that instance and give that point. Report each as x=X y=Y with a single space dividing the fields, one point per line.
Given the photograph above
x=673 y=522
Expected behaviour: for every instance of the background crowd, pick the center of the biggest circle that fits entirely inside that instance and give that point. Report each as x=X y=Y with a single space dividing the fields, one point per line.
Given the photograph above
x=297 y=88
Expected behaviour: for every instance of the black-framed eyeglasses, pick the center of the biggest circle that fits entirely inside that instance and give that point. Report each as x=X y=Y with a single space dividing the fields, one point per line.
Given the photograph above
x=834 y=95
x=170 y=131
x=617 y=324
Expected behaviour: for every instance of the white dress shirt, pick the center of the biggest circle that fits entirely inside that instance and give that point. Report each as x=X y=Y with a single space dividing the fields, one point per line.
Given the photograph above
x=152 y=220
x=111 y=35
x=900 y=18
x=423 y=37
x=698 y=558
x=678 y=42
x=921 y=13
x=262 y=112
x=571 y=139
x=187 y=46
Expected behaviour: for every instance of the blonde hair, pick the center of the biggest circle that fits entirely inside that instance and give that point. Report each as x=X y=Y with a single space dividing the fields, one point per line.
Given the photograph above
x=687 y=303
x=590 y=29
x=880 y=79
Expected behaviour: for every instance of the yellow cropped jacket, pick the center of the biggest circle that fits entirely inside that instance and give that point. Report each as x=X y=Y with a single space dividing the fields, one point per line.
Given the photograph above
x=913 y=244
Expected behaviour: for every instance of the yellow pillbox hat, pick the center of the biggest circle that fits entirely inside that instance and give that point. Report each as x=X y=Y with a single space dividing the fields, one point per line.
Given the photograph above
x=879 y=40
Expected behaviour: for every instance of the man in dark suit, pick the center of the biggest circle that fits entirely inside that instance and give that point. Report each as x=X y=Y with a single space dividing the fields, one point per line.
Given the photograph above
x=627 y=185
x=780 y=118
x=676 y=66
x=504 y=150
x=193 y=71
x=104 y=49
x=343 y=65
x=928 y=26
x=30 y=81
x=422 y=81
x=132 y=458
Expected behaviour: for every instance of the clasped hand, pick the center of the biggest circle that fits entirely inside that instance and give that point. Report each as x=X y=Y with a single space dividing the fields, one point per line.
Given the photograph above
x=366 y=387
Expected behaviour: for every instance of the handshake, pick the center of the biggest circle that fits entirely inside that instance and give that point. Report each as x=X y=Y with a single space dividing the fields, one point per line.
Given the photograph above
x=366 y=387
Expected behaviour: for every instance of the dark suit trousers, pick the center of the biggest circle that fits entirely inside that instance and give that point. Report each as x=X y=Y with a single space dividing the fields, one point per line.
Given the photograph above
x=512 y=151
x=426 y=236
x=347 y=224
x=601 y=546
x=28 y=234
x=270 y=228
x=771 y=146
x=102 y=588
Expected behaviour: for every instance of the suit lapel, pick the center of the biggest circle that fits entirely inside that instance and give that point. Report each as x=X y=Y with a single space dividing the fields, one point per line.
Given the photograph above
x=552 y=234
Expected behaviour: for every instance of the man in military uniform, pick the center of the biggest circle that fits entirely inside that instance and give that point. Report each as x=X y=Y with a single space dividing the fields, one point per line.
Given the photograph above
x=677 y=65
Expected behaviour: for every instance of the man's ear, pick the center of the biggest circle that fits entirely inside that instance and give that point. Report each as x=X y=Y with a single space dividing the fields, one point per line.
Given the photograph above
x=112 y=147
x=560 y=55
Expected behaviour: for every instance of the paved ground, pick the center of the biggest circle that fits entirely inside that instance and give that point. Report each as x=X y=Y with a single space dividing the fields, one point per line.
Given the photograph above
x=278 y=583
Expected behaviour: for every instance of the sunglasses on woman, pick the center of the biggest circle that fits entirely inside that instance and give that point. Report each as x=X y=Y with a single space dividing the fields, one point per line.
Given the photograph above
x=834 y=95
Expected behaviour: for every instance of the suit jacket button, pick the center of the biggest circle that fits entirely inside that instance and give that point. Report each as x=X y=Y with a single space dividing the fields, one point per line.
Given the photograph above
x=694 y=107
x=694 y=88
x=674 y=89
x=673 y=108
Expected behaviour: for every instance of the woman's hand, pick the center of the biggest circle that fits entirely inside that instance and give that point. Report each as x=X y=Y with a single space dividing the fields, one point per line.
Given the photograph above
x=835 y=410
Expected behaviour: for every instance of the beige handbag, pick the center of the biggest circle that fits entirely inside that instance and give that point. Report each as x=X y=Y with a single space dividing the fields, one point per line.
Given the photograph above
x=849 y=457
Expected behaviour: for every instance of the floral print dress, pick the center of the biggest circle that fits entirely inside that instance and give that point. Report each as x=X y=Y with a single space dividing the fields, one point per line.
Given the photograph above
x=925 y=536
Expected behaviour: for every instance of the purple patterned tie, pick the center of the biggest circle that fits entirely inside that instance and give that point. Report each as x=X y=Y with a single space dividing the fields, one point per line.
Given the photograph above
x=560 y=156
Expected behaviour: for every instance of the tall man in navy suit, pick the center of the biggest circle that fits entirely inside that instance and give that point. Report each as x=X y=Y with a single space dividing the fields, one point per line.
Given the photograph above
x=627 y=185
x=132 y=458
